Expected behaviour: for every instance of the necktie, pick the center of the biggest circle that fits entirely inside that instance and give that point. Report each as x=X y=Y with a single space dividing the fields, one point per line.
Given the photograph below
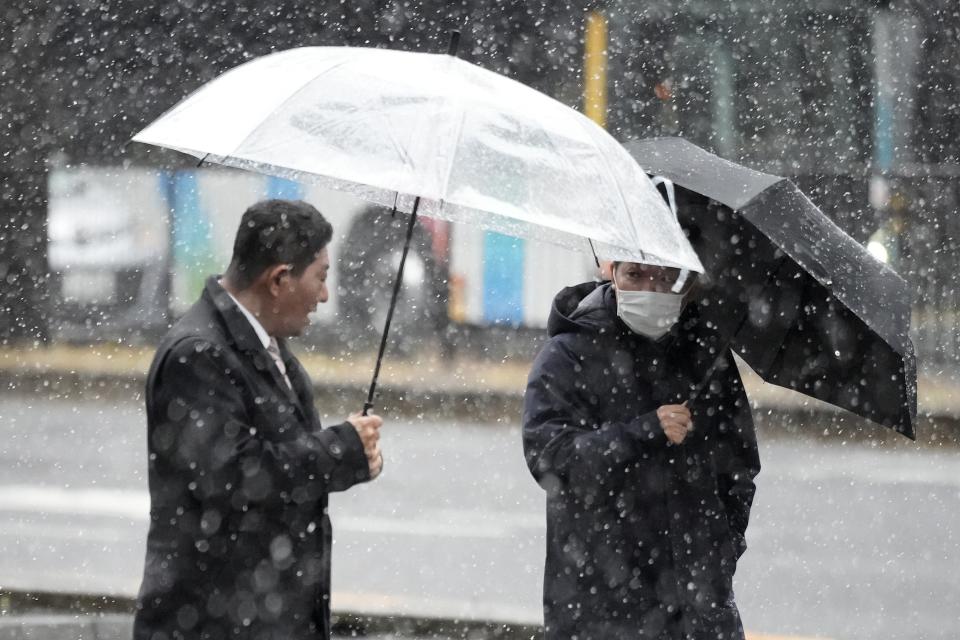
x=274 y=350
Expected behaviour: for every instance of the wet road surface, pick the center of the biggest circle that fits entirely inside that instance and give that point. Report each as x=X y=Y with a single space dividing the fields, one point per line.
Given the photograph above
x=847 y=541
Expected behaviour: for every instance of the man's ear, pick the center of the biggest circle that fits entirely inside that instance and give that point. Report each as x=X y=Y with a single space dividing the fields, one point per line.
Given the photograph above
x=275 y=278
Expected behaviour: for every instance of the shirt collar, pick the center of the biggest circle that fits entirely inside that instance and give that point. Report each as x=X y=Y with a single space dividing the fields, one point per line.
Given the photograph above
x=257 y=327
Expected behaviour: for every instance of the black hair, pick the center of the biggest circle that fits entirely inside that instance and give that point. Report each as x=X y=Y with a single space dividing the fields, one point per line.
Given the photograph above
x=276 y=232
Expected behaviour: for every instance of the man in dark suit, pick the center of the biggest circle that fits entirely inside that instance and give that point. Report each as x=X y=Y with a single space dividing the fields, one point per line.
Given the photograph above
x=240 y=468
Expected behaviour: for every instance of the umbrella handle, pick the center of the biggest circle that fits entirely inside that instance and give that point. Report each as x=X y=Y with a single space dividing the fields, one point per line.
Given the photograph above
x=393 y=303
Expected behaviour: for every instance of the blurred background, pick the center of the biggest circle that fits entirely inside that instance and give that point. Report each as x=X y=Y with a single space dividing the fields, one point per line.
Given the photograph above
x=856 y=101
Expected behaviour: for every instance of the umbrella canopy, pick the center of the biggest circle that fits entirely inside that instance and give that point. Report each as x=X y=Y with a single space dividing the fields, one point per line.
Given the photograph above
x=394 y=126
x=804 y=304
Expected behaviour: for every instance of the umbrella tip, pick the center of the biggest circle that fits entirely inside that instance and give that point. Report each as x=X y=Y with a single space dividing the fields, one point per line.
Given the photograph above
x=454 y=42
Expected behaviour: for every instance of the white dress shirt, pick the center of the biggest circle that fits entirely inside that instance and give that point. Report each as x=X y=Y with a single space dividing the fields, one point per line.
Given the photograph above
x=269 y=342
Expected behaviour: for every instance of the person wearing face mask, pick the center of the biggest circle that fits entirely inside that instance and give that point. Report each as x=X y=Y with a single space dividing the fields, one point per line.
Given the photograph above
x=640 y=433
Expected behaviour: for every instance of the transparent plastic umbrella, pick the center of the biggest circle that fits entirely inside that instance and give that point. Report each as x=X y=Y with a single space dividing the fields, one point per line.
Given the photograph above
x=430 y=134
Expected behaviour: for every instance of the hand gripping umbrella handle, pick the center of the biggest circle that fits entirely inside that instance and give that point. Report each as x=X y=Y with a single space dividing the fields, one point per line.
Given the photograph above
x=393 y=303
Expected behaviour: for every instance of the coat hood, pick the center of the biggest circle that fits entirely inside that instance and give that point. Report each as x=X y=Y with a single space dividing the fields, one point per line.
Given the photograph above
x=588 y=307
x=591 y=308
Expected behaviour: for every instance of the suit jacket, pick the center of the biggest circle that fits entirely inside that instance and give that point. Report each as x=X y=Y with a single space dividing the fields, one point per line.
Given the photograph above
x=239 y=470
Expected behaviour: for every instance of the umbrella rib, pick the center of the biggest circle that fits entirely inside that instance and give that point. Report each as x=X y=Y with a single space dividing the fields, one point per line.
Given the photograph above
x=829 y=221
x=721 y=353
x=270 y=115
x=454 y=147
x=863 y=254
x=623 y=201
x=456 y=144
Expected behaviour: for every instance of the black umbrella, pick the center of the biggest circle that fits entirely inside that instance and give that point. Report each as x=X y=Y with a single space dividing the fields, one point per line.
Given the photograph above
x=803 y=303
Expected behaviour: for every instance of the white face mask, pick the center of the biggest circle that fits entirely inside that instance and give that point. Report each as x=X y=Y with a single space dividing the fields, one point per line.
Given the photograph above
x=649 y=313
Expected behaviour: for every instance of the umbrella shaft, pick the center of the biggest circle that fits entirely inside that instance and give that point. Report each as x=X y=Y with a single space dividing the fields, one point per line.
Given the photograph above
x=393 y=303
x=722 y=353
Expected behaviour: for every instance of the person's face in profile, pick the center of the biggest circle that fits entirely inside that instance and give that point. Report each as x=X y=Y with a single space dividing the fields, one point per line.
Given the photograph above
x=297 y=296
x=635 y=276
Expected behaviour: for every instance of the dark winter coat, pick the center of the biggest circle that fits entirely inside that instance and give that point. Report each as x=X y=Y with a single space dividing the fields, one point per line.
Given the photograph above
x=643 y=536
x=240 y=469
